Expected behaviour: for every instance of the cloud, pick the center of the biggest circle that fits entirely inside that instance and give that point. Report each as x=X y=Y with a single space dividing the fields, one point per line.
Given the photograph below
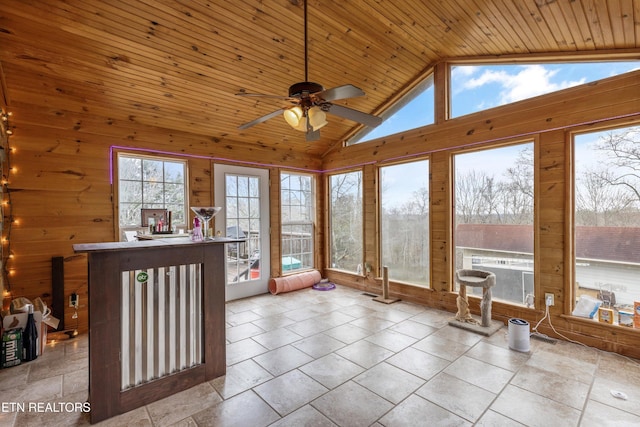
x=619 y=70
x=464 y=71
x=527 y=82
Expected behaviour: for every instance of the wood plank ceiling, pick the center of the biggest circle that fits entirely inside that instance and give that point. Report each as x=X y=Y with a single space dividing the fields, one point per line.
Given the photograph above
x=177 y=64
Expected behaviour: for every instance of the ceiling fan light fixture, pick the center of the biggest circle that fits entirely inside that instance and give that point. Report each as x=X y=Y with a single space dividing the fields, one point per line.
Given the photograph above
x=317 y=118
x=296 y=119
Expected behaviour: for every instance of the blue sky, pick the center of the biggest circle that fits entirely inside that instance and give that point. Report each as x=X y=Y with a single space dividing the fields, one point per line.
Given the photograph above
x=396 y=189
x=475 y=88
x=479 y=87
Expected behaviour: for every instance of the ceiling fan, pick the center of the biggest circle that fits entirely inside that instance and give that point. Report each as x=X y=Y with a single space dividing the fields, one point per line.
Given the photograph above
x=310 y=103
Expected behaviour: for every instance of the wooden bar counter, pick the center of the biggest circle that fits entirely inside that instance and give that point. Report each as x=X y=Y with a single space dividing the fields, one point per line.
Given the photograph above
x=156 y=320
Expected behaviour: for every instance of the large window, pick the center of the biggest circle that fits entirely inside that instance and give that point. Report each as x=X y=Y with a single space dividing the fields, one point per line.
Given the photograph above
x=346 y=224
x=414 y=110
x=607 y=216
x=297 y=208
x=480 y=87
x=150 y=183
x=494 y=218
x=404 y=214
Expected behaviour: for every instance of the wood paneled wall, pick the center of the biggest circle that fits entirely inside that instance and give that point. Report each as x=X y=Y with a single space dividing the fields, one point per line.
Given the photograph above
x=548 y=121
x=61 y=191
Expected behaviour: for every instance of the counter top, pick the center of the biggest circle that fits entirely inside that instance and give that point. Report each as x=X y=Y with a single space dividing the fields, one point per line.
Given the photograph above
x=154 y=243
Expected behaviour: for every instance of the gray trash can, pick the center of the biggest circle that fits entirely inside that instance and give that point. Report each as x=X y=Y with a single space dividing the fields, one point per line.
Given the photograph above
x=519 y=335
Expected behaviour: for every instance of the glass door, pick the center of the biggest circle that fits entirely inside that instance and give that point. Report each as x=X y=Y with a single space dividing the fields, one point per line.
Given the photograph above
x=244 y=195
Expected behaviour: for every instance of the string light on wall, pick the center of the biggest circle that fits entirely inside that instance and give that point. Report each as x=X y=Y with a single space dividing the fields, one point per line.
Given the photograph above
x=7 y=220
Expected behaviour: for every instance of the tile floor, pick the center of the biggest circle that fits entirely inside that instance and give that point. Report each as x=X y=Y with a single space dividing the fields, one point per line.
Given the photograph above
x=337 y=358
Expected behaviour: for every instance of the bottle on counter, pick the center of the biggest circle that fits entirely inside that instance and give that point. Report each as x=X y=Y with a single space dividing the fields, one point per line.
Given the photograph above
x=196 y=236
x=30 y=337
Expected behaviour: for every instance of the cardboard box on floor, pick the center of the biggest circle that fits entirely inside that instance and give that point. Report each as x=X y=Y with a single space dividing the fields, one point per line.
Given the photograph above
x=19 y=320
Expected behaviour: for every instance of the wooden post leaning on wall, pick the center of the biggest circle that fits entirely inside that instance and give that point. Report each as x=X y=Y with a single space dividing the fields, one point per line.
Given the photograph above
x=57 y=289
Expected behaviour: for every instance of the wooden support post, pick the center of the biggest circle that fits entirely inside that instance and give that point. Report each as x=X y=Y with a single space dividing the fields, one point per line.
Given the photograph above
x=385 y=288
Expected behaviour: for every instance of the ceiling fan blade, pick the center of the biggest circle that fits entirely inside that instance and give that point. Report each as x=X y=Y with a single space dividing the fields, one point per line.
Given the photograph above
x=339 y=92
x=261 y=119
x=355 y=115
x=312 y=135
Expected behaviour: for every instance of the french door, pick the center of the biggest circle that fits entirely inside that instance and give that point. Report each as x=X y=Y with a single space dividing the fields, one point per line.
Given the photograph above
x=244 y=195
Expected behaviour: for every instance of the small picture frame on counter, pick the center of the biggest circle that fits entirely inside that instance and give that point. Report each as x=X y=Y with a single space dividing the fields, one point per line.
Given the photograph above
x=152 y=216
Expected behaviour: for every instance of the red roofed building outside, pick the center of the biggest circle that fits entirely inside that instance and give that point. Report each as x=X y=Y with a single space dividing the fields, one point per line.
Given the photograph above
x=607 y=258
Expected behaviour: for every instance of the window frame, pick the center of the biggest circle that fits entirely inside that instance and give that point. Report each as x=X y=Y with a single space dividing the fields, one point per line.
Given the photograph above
x=380 y=169
x=572 y=249
x=535 y=60
x=538 y=300
x=311 y=222
x=423 y=84
x=329 y=222
x=119 y=228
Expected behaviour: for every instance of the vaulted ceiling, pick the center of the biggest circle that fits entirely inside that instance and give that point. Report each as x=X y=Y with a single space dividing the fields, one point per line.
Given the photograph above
x=178 y=64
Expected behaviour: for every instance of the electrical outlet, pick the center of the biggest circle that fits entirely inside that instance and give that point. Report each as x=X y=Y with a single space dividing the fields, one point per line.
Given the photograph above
x=549 y=299
x=73 y=300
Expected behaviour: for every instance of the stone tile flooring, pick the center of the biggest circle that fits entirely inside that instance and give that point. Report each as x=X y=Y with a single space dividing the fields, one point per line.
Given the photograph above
x=337 y=358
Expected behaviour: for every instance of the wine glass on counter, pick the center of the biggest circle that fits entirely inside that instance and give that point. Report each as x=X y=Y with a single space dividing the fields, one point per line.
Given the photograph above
x=205 y=214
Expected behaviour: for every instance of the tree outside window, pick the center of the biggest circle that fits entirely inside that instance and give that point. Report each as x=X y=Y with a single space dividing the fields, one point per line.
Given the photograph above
x=607 y=216
x=346 y=245
x=494 y=205
x=404 y=215
x=150 y=183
